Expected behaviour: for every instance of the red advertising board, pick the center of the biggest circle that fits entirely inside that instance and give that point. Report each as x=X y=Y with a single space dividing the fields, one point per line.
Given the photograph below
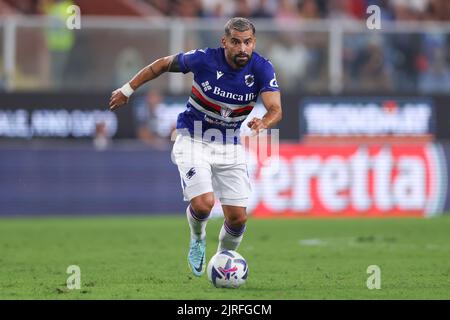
x=349 y=181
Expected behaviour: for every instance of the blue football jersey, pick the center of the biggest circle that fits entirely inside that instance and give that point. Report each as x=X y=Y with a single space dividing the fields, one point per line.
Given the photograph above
x=222 y=97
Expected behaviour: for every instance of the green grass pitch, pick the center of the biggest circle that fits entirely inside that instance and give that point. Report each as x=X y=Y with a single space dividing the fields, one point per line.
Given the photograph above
x=145 y=258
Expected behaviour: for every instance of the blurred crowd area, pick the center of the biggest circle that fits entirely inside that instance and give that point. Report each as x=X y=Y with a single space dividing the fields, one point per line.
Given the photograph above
x=306 y=9
x=436 y=10
x=416 y=60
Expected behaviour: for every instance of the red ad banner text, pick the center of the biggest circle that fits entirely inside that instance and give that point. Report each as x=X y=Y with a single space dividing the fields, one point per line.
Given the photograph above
x=349 y=181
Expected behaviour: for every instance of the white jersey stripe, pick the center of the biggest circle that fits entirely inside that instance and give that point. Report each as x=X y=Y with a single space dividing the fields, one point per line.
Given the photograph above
x=219 y=103
x=214 y=115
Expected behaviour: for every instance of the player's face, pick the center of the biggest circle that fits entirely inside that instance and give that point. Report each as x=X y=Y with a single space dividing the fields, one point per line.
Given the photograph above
x=239 y=47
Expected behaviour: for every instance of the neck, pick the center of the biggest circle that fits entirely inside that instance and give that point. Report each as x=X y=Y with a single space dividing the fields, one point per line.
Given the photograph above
x=231 y=62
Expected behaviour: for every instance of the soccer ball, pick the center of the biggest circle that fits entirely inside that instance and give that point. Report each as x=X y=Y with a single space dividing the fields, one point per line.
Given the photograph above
x=227 y=269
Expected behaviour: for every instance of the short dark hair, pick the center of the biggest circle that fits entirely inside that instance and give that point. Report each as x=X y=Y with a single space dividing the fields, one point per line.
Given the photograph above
x=239 y=24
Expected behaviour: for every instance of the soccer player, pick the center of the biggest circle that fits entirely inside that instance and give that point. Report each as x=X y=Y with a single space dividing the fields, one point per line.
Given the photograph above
x=207 y=149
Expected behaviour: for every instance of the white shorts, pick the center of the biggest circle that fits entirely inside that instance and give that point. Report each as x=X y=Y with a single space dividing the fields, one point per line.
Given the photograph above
x=212 y=167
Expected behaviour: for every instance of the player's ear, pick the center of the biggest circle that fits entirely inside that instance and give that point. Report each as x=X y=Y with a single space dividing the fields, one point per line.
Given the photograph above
x=223 y=41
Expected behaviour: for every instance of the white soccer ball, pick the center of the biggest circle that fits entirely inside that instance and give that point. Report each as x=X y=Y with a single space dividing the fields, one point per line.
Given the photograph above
x=227 y=269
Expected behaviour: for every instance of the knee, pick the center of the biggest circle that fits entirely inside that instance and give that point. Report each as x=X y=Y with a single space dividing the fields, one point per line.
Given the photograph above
x=202 y=205
x=238 y=220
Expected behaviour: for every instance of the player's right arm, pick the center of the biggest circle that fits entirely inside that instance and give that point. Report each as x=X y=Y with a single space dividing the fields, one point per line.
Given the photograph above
x=120 y=96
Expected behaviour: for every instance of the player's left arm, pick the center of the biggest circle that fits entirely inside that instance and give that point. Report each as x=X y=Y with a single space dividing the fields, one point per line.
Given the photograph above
x=272 y=102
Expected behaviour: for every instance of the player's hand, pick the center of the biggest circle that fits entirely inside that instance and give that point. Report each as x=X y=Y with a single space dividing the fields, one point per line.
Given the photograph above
x=257 y=125
x=117 y=100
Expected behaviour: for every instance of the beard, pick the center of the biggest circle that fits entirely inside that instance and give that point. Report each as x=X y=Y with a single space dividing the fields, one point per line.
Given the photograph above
x=241 y=60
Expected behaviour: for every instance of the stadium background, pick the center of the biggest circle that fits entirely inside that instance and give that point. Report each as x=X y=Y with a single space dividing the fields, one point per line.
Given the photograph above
x=365 y=131
x=346 y=90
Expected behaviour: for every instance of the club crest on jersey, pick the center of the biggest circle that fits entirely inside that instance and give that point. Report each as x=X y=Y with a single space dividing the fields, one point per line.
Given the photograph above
x=249 y=80
x=225 y=112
